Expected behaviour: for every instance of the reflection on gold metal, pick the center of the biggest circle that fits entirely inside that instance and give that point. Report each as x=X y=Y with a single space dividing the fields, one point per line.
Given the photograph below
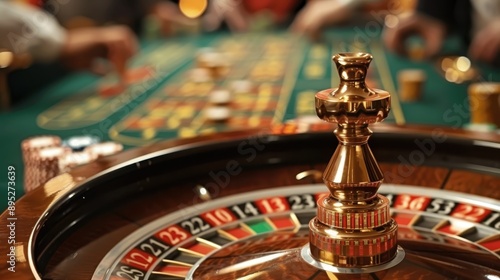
x=315 y=174
x=203 y=193
x=209 y=243
x=176 y=262
x=251 y=263
x=180 y=271
x=353 y=227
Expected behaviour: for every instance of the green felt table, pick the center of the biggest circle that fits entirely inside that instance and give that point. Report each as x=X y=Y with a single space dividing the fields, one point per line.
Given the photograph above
x=285 y=70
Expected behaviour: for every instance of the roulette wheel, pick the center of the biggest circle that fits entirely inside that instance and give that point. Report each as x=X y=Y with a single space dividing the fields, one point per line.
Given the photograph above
x=255 y=205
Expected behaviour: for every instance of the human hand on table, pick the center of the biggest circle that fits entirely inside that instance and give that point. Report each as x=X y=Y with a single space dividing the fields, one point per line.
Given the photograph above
x=485 y=45
x=318 y=14
x=82 y=46
x=231 y=12
x=431 y=30
x=237 y=19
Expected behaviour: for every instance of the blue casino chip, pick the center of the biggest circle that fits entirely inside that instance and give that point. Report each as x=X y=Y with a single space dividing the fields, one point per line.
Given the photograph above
x=78 y=143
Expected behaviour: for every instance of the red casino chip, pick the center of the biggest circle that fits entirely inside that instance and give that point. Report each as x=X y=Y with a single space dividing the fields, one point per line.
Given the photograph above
x=110 y=90
x=139 y=74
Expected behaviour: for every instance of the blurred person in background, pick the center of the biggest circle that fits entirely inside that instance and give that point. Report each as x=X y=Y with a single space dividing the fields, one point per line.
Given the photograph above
x=477 y=21
x=49 y=50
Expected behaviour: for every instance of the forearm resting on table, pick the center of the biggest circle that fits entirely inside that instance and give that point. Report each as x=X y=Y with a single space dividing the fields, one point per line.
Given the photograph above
x=27 y=30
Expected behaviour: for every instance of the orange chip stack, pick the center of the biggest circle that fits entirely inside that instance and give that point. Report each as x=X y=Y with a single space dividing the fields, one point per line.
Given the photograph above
x=484 y=102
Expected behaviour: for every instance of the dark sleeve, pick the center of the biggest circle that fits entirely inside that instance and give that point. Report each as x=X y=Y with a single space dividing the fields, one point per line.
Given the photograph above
x=443 y=10
x=456 y=14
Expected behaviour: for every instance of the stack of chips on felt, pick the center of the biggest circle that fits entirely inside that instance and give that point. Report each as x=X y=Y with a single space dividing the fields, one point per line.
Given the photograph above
x=484 y=103
x=34 y=162
x=47 y=156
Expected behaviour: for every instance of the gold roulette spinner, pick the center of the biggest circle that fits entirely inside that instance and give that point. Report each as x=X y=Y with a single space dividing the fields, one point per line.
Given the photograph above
x=258 y=222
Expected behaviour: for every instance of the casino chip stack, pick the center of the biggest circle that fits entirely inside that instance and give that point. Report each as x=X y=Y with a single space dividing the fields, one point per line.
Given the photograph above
x=47 y=163
x=484 y=102
x=411 y=84
x=214 y=62
x=30 y=148
x=47 y=156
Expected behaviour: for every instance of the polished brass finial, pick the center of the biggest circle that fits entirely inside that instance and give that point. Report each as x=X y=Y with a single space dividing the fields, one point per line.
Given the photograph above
x=352 y=173
x=353 y=227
